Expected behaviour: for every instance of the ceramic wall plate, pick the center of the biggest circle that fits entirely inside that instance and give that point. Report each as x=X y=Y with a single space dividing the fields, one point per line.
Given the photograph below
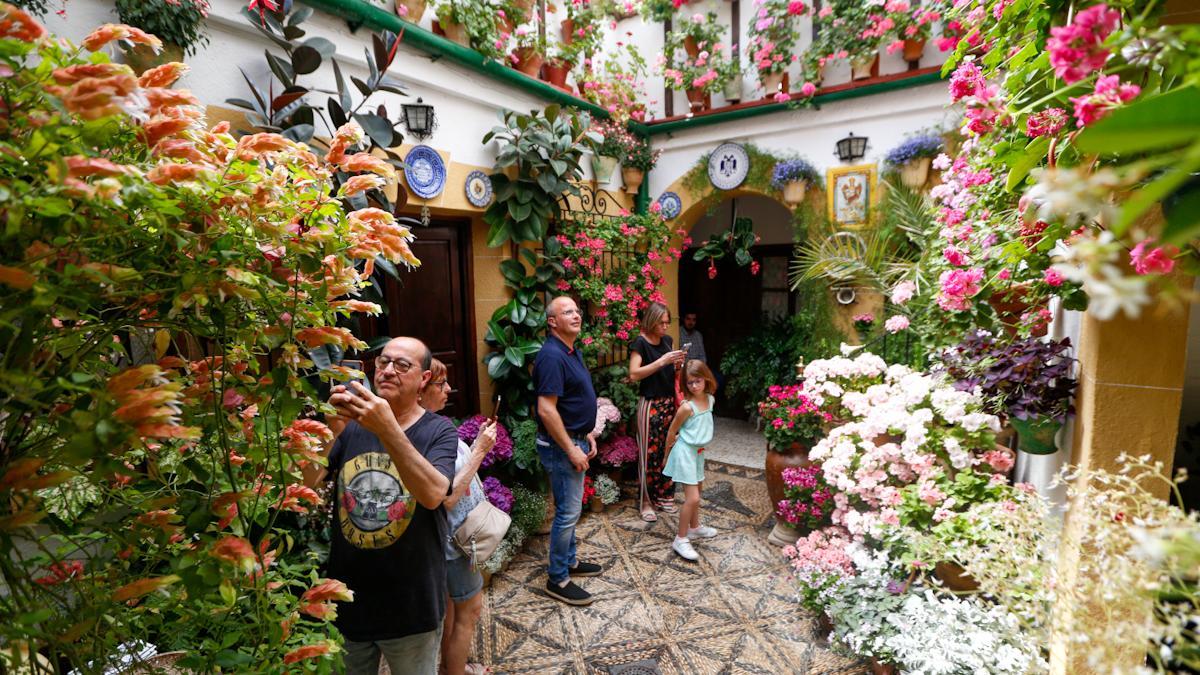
x=670 y=205
x=728 y=166
x=479 y=189
x=425 y=172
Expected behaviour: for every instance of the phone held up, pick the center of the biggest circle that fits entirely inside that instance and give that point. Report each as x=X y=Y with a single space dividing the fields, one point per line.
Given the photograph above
x=354 y=364
x=496 y=410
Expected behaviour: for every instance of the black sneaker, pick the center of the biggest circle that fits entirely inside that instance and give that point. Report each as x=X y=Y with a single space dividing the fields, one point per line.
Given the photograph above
x=585 y=569
x=570 y=594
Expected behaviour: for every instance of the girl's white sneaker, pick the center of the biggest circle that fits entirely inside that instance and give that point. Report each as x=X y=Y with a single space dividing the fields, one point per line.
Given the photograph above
x=684 y=548
x=702 y=532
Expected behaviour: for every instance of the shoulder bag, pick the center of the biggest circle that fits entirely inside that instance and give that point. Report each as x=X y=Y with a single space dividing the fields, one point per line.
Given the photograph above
x=481 y=532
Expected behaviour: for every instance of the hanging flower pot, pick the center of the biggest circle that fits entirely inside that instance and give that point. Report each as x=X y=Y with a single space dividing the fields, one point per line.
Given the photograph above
x=568 y=31
x=696 y=99
x=733 y=89
x=913 y=50
x=864 y=67
x=603 y=167
x=456 y=32
x=915 y=173
x=794 y=192
x=556 y=71
x=528 y=61
x=690 y=46
x=633 y=178
x=142 y=57
x=1036 y=436
x=410 y=10
x=772 y=83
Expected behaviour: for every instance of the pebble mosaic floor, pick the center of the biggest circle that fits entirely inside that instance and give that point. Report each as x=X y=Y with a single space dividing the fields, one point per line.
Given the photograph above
x=733 y=611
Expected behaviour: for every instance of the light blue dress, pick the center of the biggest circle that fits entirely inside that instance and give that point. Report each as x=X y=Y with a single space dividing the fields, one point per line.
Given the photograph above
x=685 y=463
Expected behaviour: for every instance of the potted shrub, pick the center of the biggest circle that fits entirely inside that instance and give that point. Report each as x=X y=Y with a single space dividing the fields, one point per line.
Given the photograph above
x=695 y=60
x=819 y=563
x=529 y=50
x=636 y=161
x=472 y=23
x=913 y=157
x=557 y=66
x=590 y=498
x=792 y=422
x=607 y=489
x=852 y=30
x=608 y=152
x=807 y=502
x=912 y=27
x=792 y=177
x=178 y=23
x=1027 y=380
x=614 y=81
x=733 y=80
x=772 y=42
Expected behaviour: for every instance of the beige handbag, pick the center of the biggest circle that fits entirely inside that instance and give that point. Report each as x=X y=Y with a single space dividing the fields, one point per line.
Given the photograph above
x=481 y=532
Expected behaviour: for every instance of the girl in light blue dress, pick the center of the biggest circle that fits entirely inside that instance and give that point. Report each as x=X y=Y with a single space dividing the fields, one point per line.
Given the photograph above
x=690 y=431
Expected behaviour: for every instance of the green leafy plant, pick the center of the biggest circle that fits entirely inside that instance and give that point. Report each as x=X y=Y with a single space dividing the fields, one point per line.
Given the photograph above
x=178 y=22
x=736 y=241
x=480 y=19
x=529 y=509
x=614 y=384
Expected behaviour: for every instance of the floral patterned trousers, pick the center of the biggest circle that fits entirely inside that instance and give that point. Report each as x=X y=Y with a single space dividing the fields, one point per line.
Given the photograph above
x=654 y=417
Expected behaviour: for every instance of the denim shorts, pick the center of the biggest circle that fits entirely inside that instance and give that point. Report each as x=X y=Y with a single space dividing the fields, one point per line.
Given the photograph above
x=461 y=581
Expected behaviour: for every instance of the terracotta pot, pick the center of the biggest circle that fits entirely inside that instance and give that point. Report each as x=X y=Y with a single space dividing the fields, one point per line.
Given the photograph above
x=915 y=173
x=955 y=577
x=864 y=67
x=596 y=504
x=696 y=99
x=633 y=178
x=771 y=84
x=913 y=50
x=795 y=455
x=505 y=24
x=568 y=31
x=142 y=58
x=1009 y=304
x=690 y=46
x=878 y=668
x=556 y=72
x=1037 y=436
x=456 y=32
x=524 y=6
x=415 y=9
x=794 y=191
x=528 y=61
x=603 y=167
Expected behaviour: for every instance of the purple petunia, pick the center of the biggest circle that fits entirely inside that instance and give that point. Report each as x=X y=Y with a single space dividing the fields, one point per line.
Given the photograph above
x=500 y=496
x=503 y=449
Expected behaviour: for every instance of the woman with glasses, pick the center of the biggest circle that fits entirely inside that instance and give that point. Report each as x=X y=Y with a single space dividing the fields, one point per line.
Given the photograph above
x=463 y=581
x=652 y=364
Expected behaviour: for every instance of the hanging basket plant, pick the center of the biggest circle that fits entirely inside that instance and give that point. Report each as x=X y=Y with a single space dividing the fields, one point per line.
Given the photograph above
x=792 y=177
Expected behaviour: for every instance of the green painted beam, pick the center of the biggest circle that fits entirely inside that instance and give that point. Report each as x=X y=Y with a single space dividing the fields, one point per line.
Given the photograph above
x=658 y=128
x=364 y=13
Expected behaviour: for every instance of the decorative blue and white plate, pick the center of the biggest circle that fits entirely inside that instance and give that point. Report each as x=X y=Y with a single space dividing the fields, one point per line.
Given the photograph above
x=425 y=172
x=479 y=189
x=669 y=204
x=728 y=166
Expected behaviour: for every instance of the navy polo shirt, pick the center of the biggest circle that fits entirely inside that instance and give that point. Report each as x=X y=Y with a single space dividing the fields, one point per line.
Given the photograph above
x=559 y=371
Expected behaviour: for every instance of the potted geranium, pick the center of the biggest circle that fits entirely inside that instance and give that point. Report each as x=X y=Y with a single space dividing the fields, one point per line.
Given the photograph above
x=913 y=157
x=773 y=36
x=695 y=60
x=614 y=81
x=178 y=23
x=636 y=160
x=529 y=49
x=1028 y=380
x=819 y=563
x=913 y=26
x=863 y=323
x=852 y=30
x=792 y=422
x=472 y=23
x=807 y=499
x=608 y=152
x=558 y=65
x=792 y=177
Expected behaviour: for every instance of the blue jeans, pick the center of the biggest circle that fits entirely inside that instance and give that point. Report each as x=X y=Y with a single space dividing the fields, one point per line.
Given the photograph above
x=567 y=486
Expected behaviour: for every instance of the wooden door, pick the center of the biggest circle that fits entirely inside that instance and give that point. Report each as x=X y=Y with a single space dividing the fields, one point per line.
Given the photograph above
x=432 y=303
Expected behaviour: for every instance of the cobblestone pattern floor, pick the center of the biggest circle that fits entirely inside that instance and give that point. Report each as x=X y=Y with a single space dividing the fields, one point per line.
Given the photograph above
x=731 y=612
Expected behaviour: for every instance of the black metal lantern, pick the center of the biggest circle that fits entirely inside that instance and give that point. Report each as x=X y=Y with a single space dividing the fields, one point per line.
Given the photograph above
x=852 y=148
x=419 y=118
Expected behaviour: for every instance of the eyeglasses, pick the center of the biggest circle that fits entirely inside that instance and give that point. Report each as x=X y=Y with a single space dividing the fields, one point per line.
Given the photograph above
x=692 y=383
x=567 y=312
x=402 y=365
x=440 y=383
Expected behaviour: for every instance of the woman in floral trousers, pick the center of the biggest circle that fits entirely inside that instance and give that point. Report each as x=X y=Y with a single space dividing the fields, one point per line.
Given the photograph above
x=652 y=363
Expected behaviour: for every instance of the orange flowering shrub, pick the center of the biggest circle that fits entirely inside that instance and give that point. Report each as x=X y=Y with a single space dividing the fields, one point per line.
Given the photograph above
x=161 y=283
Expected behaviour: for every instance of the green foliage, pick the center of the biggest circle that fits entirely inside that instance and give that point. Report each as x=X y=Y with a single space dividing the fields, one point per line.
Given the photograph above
x=525 y=454
x=768 y=355
x=179 y=22
x=529 y=509
x=545 y=148
x=736 y=241
x=35 y=7
x=614 y=384
x=479 y=18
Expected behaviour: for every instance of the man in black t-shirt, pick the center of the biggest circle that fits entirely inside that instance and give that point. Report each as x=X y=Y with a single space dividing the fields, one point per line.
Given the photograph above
x=566 y=416
x=392 y=465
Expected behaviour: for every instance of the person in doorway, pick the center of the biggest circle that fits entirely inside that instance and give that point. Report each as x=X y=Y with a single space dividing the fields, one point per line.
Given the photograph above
x=691 y=430
x=652 y=363
x=392 y=464
x=566 y=416
x=463 y=581
x=691 y=340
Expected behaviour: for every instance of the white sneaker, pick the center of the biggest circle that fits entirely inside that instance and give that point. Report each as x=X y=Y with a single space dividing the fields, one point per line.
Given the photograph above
x=684 y=548
x=702 y=532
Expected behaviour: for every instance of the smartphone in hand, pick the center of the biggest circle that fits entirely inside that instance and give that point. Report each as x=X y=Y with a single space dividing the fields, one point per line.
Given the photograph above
x=355 y=365
x=496 y=410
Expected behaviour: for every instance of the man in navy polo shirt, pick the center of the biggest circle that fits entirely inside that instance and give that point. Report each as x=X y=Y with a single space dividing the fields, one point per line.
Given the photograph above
x=566 y=415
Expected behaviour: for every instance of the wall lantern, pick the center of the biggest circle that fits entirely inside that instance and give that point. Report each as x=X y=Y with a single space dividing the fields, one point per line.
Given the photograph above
x=419 y=118
x=852 y=148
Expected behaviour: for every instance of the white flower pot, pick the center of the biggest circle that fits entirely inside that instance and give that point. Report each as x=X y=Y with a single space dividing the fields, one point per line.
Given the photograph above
x=603 y=168
x=914 y=174
x=771 y=84
x=733 y=89
x=860 y=68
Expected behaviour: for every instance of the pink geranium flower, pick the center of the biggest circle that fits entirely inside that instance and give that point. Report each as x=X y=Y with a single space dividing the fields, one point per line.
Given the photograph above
x=1076 y=51
x=1148 y=260
x=1110 y=92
